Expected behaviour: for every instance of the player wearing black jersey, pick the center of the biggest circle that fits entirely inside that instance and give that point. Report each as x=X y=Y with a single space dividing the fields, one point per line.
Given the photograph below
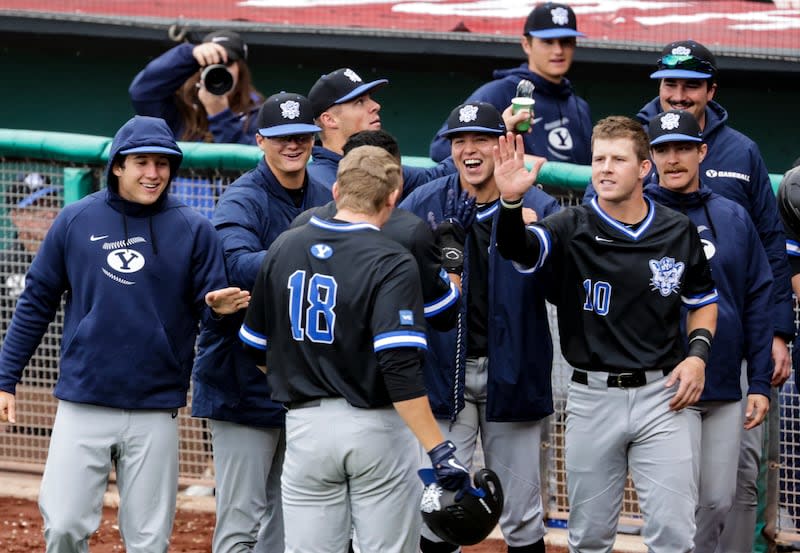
x=338 y=308
x=625 y=266
x=438 y=292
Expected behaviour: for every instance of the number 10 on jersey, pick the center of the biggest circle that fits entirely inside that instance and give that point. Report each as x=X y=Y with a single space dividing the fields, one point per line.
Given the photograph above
x=598 y=296
x=320 y=298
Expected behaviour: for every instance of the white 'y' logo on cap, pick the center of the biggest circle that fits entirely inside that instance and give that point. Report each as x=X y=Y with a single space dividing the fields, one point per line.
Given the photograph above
x=681 y=51
x=670 y=121
x=560 y=16
x=290 y=109
x=352 y=75
x=468 y=113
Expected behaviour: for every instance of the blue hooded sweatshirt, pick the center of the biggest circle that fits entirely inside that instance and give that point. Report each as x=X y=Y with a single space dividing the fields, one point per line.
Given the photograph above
x=135 y=278
x=734 y=168
x=744 y=284
x=562 y=122
x=153 y=93
x=325 y=163
x=520 y=349
x=251 y=214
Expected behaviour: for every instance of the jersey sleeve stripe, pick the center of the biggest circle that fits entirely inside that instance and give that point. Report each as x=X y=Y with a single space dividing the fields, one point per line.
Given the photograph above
x=439 y=305
x=251 y=338
x=400 y=339
x=544 y=250
x=699 y=301
x=793 y=248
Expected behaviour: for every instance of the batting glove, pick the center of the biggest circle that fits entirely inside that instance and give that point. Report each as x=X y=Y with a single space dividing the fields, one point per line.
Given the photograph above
x=451 y=234
x=450 y=472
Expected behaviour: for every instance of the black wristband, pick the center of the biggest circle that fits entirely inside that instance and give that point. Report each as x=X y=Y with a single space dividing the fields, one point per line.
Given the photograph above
x=700 y=340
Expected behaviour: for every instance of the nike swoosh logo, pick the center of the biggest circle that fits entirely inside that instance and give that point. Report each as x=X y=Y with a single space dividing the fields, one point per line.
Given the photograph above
x=94 y=238
x=454 y=464
x=601 y=239
x=537 y=120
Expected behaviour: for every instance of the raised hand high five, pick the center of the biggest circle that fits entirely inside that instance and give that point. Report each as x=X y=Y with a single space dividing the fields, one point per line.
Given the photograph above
x=510 y=174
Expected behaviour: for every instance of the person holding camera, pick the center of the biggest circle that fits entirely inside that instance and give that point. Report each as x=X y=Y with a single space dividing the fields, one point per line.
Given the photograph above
x=205 y=91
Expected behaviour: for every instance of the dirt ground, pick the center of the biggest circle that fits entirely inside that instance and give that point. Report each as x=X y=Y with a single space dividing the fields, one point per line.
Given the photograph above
x=21 y=532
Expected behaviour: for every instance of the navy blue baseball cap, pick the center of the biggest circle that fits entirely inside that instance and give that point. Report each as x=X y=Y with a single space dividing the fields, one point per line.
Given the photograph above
x=479 y=117
x=685 y=59
x=551 y=20
x=339 y=87
x=286 y=114
x=30 y=189
x=675 y=125
x=234 y=45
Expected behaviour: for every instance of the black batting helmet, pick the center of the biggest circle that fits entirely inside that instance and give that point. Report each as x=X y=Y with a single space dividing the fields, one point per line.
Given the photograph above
x=789 y=202
x=462 y=517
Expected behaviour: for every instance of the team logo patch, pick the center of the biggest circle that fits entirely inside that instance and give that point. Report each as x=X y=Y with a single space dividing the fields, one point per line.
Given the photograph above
x=708 y=248
x=560 y=16
x=670 y=121
x=125 y=260
x=321 y=251
x=290 y=109
x=666 y=275
x=681 y=51
x=406 y=317
x=711 y=173
x=430 y=499
x=560 y=139
x=468 y=114
x=352 y=75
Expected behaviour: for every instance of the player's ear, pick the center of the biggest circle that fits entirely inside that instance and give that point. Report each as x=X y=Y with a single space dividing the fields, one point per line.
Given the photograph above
x=394 y=197
x=335 y=191
x=703 y=149
x=644 y=168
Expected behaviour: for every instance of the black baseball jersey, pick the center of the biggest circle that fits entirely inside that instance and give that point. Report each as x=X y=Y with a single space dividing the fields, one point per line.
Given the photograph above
x=331 y=299
x=619 y=290
x=439 y=294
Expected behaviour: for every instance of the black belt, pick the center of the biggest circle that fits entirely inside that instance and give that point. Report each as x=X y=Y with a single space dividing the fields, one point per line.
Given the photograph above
x=622 y=380
x=304 y=404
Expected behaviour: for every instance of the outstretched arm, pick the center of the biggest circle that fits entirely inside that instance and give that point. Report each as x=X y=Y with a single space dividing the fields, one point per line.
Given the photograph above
x=228 y=300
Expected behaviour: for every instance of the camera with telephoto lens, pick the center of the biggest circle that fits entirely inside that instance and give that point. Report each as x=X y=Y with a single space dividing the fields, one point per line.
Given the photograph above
x=217 y=79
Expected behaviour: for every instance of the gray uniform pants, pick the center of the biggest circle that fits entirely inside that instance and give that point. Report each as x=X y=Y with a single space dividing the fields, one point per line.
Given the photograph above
x=86 y=440
x=510 y=449
x=247 y=469
x=350 y=468
x=738 y=535
x=716 y=434
x=611 y=431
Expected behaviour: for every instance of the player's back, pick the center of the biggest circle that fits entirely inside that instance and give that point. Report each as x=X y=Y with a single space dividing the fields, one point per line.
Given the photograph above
x=331 y=288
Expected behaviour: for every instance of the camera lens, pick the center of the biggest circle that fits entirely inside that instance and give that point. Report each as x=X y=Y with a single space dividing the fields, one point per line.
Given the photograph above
x=217 y=79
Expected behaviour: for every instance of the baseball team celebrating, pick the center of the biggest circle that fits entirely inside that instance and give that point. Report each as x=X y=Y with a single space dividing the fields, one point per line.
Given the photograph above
x=400 y=315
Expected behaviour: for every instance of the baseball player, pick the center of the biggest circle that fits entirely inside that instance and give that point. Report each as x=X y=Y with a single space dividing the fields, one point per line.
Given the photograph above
x=492 y=373
x=343 y=105
x=229 y=390
x=130 y=249
x=744 y=333
x=562 y=122
x=626 y=266
x=439 y=293
x=337 y=307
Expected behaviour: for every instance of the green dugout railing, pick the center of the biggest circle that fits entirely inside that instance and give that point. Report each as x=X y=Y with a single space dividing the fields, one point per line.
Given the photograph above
x=82 y=148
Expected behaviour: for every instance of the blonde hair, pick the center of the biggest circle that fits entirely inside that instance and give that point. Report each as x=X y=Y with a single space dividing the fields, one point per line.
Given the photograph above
x=619 y=126
x=366 y=178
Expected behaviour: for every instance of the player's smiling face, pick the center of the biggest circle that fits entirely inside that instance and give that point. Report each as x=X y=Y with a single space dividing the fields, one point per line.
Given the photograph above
x=550 y=58
x=286 y=155
x=678 y=165
x=472 y=154
x=142 y=178
x=617 y=171
x=692 y=95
